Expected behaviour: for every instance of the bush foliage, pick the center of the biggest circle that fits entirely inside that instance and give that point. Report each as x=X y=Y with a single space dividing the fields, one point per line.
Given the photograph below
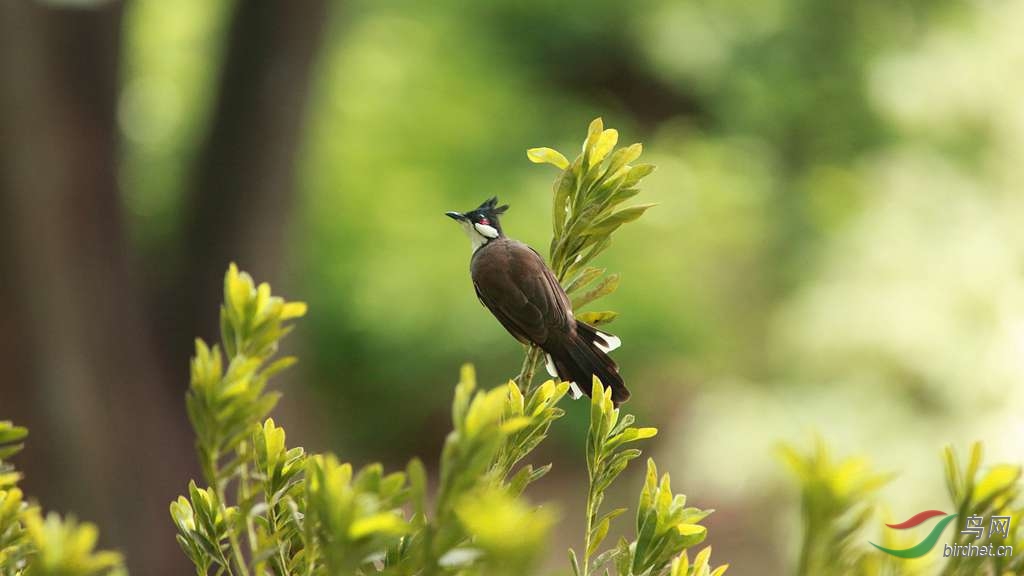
x=33 y=544
x=267 y=509
x=839 y=502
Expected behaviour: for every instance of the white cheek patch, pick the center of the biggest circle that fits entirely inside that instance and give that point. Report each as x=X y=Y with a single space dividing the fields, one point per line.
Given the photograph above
x=485 y=230
x=611 y=342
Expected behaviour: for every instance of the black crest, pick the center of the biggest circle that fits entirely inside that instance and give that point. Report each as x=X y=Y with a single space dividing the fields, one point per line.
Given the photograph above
x=487 y=213
x=490 y=206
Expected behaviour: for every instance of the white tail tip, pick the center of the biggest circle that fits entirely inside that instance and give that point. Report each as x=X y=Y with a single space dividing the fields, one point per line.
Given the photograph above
x=549 y=365
x=574 y=391
x=611 y=342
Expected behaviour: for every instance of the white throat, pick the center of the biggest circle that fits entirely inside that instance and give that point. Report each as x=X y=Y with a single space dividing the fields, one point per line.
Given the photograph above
x=479 y=234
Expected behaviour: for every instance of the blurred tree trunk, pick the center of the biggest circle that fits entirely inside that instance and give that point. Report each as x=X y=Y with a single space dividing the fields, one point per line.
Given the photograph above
x=108 y=440
x=244 y=183
x=82 y=366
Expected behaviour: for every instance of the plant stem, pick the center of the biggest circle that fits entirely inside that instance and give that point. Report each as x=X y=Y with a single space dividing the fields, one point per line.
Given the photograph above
x=310 y=555
x=236 y=548
x=805 y=550
x=525 y=378
x=272 y=513
x=429 y=559
x=593 y=466
x=218 y=486
x=243 y=497
x=589 y=527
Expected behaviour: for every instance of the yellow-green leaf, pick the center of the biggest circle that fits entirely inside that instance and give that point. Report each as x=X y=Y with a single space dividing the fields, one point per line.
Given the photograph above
x=604 y=288
x=624 y=156
x=547 y=156
x=999 y=479
x=637 y=173
x=584 y=278
x=691 y=529
x=611 y=223
x=597 y=318
x=598 y=536
x=293 y=310
x=381 y=523
x=594 y=132
x=604 y=144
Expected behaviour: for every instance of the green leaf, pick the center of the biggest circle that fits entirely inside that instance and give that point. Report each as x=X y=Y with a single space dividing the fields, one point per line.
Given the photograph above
x=630 y=435
x=10 y=433
x=381 y=523
x=574 y=562
x=564 y=186
x=692 y=534
x=583 y=279
x=293 y=310
x=278 y=365
x=8 y=451
x=614 y=514
x=417 y=485
x=623 y=156
x=524 y=477
x=612 y=223
x=598 y=535
x=636 y=174
x=620 y=196
x=597 y=318
x=603 y=145
x=598 y=246
x=973 y=463
x=606 y=287
x=954 y=480
x=594 y=131
x=999 y=480
x=547 y=156
x=680 y=565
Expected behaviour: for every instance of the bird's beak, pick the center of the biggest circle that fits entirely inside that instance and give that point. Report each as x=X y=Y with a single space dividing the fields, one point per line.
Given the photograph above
x=455 y=216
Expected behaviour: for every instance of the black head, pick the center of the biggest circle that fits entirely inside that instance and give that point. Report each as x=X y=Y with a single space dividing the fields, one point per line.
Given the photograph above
x=482 y=221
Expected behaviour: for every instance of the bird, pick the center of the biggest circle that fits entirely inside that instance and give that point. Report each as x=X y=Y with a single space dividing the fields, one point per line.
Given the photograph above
x=513 y=281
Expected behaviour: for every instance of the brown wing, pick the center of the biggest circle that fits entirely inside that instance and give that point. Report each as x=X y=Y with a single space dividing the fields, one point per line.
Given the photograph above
x=515 y=284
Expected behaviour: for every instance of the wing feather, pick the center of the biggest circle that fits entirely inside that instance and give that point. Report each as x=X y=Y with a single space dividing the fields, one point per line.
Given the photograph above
x=515 y=284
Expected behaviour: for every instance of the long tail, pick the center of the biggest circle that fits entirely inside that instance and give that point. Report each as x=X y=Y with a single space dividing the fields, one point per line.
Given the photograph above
x=584 y=356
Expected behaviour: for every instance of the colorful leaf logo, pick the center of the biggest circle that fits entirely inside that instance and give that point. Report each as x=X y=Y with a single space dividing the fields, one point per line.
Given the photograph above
x=922 y=547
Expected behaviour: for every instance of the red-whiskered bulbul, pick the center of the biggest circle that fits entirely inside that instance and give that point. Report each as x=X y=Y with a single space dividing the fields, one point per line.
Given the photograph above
x=514 y=283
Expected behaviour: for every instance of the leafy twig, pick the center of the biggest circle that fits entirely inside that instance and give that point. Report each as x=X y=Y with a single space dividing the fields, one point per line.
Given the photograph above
x=525 y=377
x=838 y=498
x=585 y=211
x=606 y=459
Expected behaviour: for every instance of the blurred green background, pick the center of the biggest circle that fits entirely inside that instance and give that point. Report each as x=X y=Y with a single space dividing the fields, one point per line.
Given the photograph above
x=838 y=248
